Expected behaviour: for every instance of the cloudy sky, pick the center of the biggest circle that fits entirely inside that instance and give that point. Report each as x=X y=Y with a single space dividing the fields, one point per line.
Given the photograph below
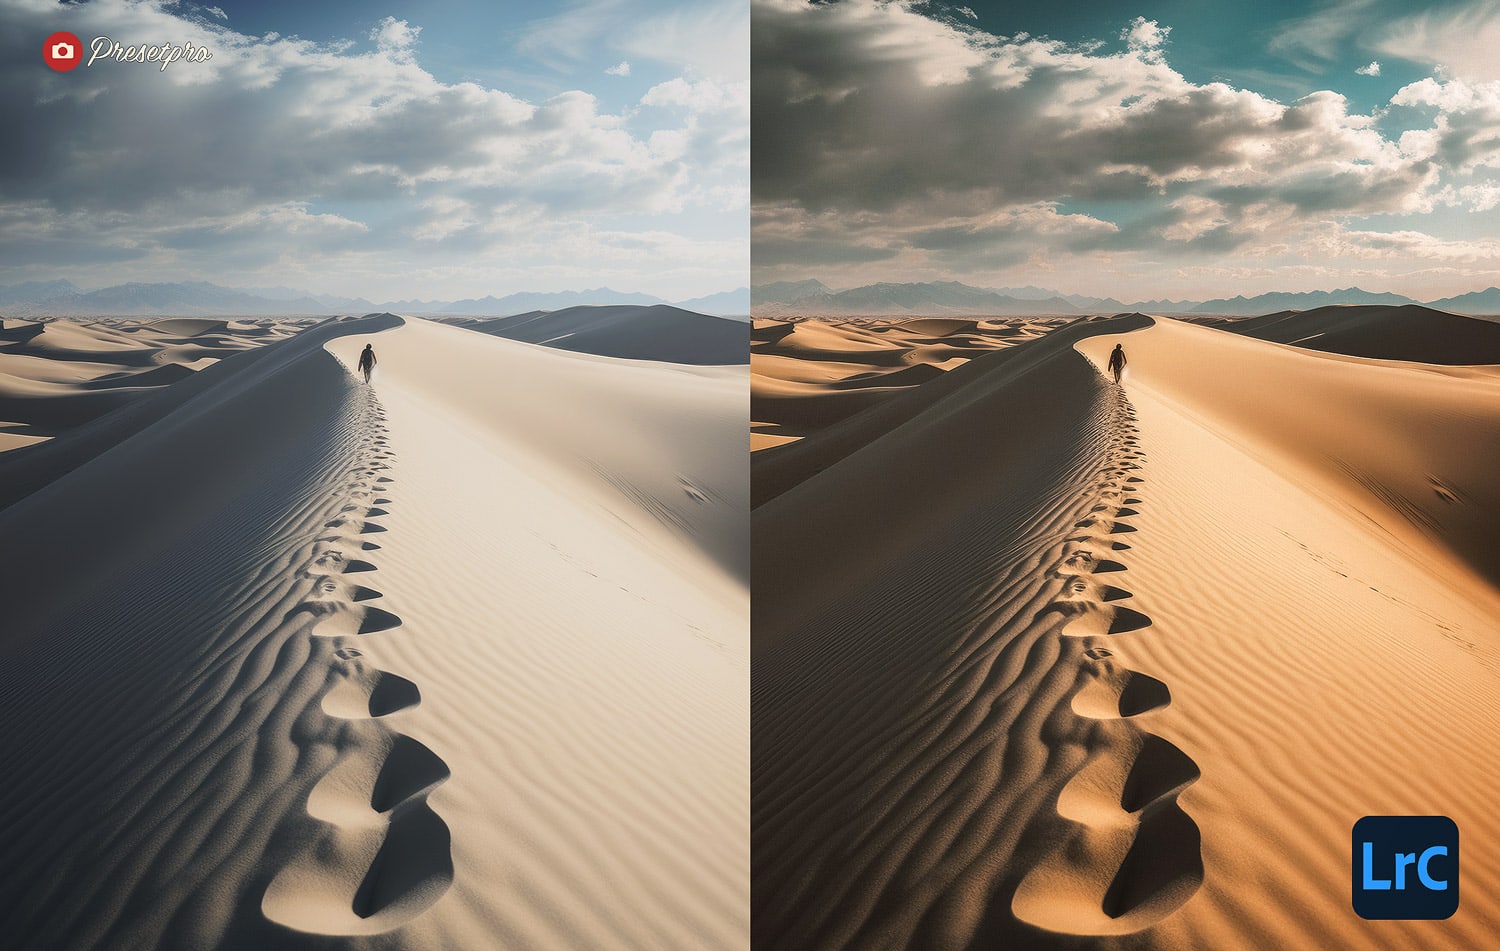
x=1163 y=149
x=386 y=150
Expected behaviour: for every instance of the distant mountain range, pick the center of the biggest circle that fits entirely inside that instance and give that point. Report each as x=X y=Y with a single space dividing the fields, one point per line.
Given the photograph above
x=785 y=298
x=202 y=299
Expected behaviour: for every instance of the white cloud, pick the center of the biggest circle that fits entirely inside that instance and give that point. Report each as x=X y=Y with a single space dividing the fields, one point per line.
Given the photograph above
x=968 y=13
x=393 y=35
x=1143 y=35
x=1315 y=39
x=902 y=147
x=350 y=161
x=622 y=69
x=1339 y=242
x=1479 y=197
x=1371 y=70
x=1461 y=38
x=1465 y=134
x=1195 y=217
x=704 y=39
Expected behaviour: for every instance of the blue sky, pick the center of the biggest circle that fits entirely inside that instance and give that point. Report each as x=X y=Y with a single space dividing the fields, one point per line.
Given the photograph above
x=1172 y=148
x=433 y=150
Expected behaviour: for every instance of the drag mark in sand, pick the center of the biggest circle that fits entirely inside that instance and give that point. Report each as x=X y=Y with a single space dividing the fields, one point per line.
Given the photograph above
x=379 y=855
x=1123 y=853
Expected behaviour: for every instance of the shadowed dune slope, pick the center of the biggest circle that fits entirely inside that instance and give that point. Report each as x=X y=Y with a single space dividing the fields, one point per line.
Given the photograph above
x=59 y=377
x=912 y=685
x=841 y=433
x=154 y=688
x=658 y=332
x=1410 y=332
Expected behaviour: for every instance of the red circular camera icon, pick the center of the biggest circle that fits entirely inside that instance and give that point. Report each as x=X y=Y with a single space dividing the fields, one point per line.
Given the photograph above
x=62 y=51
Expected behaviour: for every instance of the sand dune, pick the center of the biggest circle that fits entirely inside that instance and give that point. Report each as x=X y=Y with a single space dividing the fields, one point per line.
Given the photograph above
x=811 y=375
x=1410 y=333
x=457 y=660
x=655 y=332
x=1042 y=662
x=58 y=375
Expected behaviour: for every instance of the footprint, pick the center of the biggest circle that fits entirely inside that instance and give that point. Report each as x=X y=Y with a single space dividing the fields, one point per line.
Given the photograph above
x=398 y=887
x=409 y=770
x=368 y=868
x=364 y=693
x=1159 y=770
x=376 y=620
x=1092 y=619
x=1118 y=693
x=1122 y=854
x=1126 y=620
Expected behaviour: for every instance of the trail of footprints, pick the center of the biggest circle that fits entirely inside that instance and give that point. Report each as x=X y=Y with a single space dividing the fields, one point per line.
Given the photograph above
x=380 y=855
x=1128 y=855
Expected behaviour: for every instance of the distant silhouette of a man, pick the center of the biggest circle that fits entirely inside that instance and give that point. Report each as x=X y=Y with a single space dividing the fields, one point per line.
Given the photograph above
x=1117 y=362
x=367 y=362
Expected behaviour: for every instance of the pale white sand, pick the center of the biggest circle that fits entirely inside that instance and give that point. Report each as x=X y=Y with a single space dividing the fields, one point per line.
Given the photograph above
x=459 y=660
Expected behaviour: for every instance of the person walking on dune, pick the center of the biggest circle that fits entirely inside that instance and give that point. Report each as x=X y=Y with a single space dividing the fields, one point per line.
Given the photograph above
x=1117 y=362
x=367 y=362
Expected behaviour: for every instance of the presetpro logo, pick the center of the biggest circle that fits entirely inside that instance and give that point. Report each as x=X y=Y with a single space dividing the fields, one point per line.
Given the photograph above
x=1405 y=867
x=62 y=51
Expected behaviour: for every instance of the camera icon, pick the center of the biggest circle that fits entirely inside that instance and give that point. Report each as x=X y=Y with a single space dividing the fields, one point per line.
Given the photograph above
x=63 y=51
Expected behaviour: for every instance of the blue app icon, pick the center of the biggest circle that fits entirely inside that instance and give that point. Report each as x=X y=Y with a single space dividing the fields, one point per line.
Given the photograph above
x=1405 y=867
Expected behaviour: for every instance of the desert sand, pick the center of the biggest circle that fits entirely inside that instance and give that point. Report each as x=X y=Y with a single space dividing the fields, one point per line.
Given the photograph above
x=56 y=376
x=459 y=659
x=654 y=332
x=810 y=375
x=1043 y=662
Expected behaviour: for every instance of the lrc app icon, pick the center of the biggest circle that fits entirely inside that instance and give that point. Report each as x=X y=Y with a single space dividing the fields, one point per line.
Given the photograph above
x=1405 y=867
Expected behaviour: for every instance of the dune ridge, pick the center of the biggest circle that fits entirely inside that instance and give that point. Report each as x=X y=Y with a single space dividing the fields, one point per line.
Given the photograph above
x=69 y=390
x=380 y=855
x=635 y=332
x=913 y=730
x=996 y=704
x=217 y=764
x=297 y=667
x=811 y=376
